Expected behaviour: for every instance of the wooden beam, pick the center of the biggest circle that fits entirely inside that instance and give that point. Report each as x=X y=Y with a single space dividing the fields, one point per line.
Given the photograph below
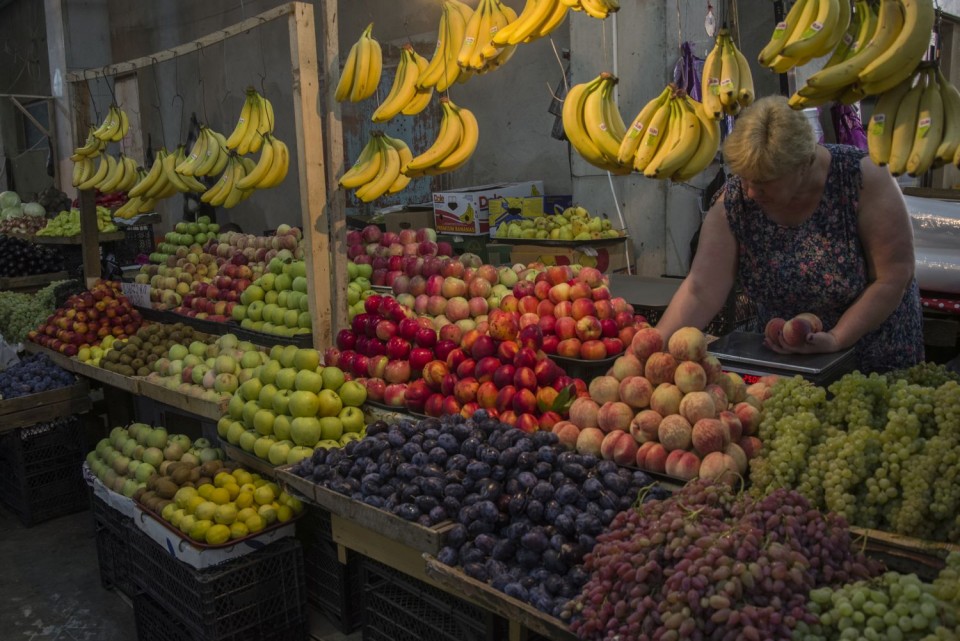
x=333 y=148
x=190 y=47
x=61 y=92
x=89 y=230
x=36 y=123
x=314 y=208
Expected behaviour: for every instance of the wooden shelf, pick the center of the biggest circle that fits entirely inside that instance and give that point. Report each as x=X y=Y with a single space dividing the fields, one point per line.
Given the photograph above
x=22 y=411
x=249 y=461
x=108 y=237
x=112 y=379
x=37 y=281
x=190 y=404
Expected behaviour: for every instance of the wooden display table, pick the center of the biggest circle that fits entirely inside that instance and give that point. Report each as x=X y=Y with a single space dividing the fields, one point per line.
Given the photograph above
x=44 y=406
x=31 y=283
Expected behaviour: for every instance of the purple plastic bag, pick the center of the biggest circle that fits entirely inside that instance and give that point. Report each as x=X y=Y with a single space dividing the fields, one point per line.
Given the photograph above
x=688 y=71
x=848 y=126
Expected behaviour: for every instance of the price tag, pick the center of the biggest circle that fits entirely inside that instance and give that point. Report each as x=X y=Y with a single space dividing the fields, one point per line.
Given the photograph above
x=137 y=293
x=588 y=251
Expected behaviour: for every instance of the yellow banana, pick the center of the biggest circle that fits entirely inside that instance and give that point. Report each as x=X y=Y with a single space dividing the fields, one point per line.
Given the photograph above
x=241 y=129
x=281 y=164
x=487 y=21
x=458 y=15
x=686 y=146
x=389 y=170
x=889 y=25
x=469 y=138
x=196 y=156
x=216 y=194
x=782 y=33
x=534 y=15
x=950 y=141
x=151 y=177
x=404 y=87
x=745 y=90
x=405 y=156
x=706 y=148
x=901 y=57
x=211 y=153
x=252 y=138
x=83 y=170
x=124 y=125
x=882 y=121
x=710 y=80
x=366 y=167
x=253 y=179
x=815 y=39
x=422 y=97
x=575 y=128
x=235 y=195
x=654 y=137
x=375 y=69
x=553 y=21
x=451 y=130
x=633 y=136
x=472 y=35
x=670 y=140
x=111 y=169
x=91 y=147
x=347 y=77
x=929 y=128
x=729 y=73
x=431 y=74
x=170 y=170
x=846 y=46
x=110 y=125
x=600 y=131
x=904 y=129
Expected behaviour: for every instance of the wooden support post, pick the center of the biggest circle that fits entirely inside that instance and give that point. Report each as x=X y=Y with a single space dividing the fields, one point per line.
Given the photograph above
x=89 y=230
x=316 y=212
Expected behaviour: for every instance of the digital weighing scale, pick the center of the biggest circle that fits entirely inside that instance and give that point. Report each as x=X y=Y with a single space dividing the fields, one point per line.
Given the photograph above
x=745 y=353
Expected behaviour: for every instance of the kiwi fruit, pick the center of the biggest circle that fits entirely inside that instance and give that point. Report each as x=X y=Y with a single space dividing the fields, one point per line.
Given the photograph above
x=147 y=495
x=143 y=371
x=180 y=476
x=189 y=484
x=204 y=480
x=195 y=474
x=126 y=370
x=166 y=488
x=210 y=468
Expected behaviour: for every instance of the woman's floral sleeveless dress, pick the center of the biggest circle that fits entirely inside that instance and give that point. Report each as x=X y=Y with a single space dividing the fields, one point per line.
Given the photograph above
x=819 y=266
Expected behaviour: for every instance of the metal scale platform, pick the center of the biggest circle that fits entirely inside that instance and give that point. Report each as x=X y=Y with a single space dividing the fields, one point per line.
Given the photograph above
x=744 y=353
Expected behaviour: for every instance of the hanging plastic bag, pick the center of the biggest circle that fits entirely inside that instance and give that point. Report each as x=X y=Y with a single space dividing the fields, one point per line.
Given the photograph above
x=848 y=126
x=688 y=71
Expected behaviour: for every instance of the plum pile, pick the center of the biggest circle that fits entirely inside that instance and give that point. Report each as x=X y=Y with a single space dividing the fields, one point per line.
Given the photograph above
x=526 y=511
x=35 y=373
x=22 y=258
x=710 y=564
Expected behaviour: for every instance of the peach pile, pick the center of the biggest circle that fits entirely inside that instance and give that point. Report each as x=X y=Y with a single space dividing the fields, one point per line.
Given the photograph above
x=793 y=332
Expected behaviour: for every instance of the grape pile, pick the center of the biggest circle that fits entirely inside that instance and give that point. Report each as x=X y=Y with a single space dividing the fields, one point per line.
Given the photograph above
x=709 y=564
x=894 y=606
x=883 y=451
x=20 y=313
x=22 y=258
x=35 y=373
x=526 y=511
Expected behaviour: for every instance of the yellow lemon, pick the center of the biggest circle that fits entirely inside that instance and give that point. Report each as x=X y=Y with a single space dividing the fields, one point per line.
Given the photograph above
x=205 y=490
x=187 y=523
x=274 y=488
x=255 y=523
x=245 y=514
x=238 y=530
x=193 y=502
x=220 y=496
x=206 y=510
x=199 y=530
x=222 y=478
x=217 y=534
x=232 y=489
x=295 y=504
x=226 y=514
x=267 y=513
x=242 y=477
x=168 y=511
x=248 y=487
x=259 y=482
x=244 y=499
x=284 y=513
x=176 y=517
x=183 y=495
x=263 y=495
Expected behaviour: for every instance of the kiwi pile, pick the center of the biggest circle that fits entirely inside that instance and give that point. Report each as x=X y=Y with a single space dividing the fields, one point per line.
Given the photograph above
x=135 y=356
x=173 y=475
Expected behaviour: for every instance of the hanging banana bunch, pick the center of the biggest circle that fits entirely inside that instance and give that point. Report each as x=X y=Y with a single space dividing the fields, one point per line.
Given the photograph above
x=361 y=72
x=916 y=125
x=812 y=28
x=404 y=97
x=885 y=49
x=378 y=169
x=111 y=175
x=208 y=156
x=598 y=9
x=538 y=18
x=478 y=54
x=92 y=147
x=226 y=192
x=453 y=147
x=593 y=124
x=727 y=84
x=114 y=126
x=256 y=121
x=443 y=70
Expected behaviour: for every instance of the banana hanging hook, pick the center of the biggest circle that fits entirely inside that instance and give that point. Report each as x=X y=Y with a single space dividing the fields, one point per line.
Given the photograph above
x=263 y=58
x=156 y=88
x=203 y=91
x=176 y=82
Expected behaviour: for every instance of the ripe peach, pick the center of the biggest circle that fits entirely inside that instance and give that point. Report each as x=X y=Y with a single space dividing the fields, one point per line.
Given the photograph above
x=665 y=399
x=751 y=446
x=714 y=370
x=524 y=378
x=772 y=330
x=642 y=452
x=569 y=348
x=626 y=366
x=593 y=350
x=709 y=435
x=465 y=390
x=583 y=307
x=527 y=423
x=524 y=402
x=568 y=433
x=733 y=425
x=604 y=310
x=645 y=425
x=589 y=441
x=625 y=449
x=655 y=459
x=646 y=342
x=749 y=417
x=719 y=396
x=487 y=395
x=563 y=309
x=720 y=467
x=739 y=457
x=737 y=391
x=816 y=325
x=505 y=399
x=584 y=413
x=688 y=344
x=548 y=420
x=697 y=405
x=609 y=443
x=759 y=391
x=675 y=432
x=795 y=331
x=690 y=377
x=604 y=389
x=682 y=465
x=660 y=368
x=614 y=416
x=546 y=396
x=636 y=391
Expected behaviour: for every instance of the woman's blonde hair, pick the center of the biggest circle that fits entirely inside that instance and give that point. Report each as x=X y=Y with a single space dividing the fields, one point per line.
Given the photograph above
x=769 y=140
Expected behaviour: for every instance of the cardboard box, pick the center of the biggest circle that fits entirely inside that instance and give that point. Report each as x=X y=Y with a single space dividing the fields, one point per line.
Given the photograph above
x=409 y=218
x=467 y=211
x=609 y=260
x=508 y=210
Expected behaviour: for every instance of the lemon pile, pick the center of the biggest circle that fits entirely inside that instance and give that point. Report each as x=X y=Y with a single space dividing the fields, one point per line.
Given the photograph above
x=236 y=504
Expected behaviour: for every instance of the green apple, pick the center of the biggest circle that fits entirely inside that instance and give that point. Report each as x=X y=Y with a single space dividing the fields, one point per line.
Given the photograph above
x=288 y=355
x=178 y=352
x=300 y=284
x=328 y=443
x=353 y=296
x=309 y=381
x=304 y=303
x=352 y=394
x=222 y=425
x=255 y=310
x=281 y=401
x=283 y=298
x=293 y=300
x=198 y=349
x=267 y=393
x=352 y=419
x=268 y=311
x=304 y=322
x=269 y=372
x=267 y=281
x=275 y=266
x=286 y=378
x=332 y=378
x=250 y=390
x=349 y=436
x=305 y=430
x=299 y=453
x=277 y=455
x=330 y=403
x=262 y=447
x=263 y=422
x=250 y=409
x=365 y=270
x=276 y=351
x=239 y=313
x=234 y=432
x=330 y=428
x=290 y=318
x=298 y=269
x=352 y=272
x=250 y=359
x=281 y=427
x=247 y=441
x=304 y=404
x=235 y=407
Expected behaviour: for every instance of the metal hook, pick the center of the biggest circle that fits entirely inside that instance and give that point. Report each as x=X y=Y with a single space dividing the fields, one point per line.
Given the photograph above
x=263 y=59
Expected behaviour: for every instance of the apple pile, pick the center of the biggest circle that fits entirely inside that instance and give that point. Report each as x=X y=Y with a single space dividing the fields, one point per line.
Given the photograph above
x=793 y=332
x=572 y=308
x=211 y=371
x=277 y=302
x=358 y=289
x=674 y=412
x=293 y=405
x=393 y=254
x=135 y=356
x=184 y=234
x=87 y=318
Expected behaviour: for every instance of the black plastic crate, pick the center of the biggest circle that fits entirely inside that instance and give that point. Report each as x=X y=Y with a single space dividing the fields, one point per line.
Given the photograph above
x=113 y=546
x=156 y=624
x=333 y=587
x=229 y=600
x=57 y=490
x=33 y=448
x=401 y=608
